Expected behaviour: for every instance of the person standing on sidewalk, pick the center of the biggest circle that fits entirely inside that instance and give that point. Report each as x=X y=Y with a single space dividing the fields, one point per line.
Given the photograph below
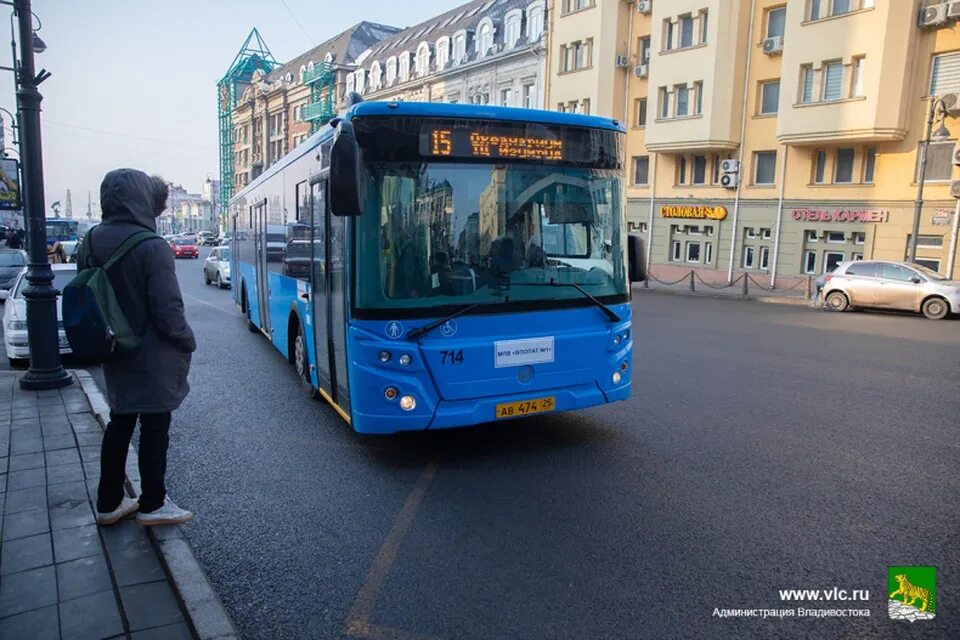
x=151 y=382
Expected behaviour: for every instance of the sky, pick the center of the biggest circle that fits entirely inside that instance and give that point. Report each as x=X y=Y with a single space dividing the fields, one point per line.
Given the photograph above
x=134 y=81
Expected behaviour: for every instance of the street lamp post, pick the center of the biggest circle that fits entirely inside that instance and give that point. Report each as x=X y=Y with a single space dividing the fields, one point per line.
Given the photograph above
x=46 y=371
x=937 y=113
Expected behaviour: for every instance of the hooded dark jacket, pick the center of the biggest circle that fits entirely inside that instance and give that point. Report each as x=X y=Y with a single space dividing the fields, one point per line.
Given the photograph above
x=154 y=378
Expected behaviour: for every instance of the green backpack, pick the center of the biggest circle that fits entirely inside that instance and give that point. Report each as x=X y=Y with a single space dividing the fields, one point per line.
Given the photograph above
x=96 y=326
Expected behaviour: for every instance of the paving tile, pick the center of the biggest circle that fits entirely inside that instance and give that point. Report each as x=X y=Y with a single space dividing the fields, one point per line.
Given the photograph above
x=79 y=406
x=3 y=486
x=170 y=632
x=124 y=534
x=52 y=410
x=39 y=624
x=72 y=513
x=25 y=423
x=150 y=605
x=26 y=461
x=26 y=553
x=54 y=422
x=93 y=616
x=4 y=463
x=90 y=438
x=49 y=401
x=26 y=444
x=82 y=577
x=28 y=590
x=136 y=563
x=25 y=523
x=76 y=542
x=24 y=499
x=54 y=443
x=26 y=479
x=64 y=473
x=84 y=422
x=57 y=494
x=20 y=413
x=90 y=455
x=67 y=456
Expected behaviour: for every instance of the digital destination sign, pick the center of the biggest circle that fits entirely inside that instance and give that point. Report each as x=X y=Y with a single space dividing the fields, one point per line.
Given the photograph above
x=473 y=143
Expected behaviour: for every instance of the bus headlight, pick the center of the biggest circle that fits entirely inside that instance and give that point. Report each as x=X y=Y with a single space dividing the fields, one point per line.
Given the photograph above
x=384 y=356
x=405 y=359
x=408 y=403
x=616 y=377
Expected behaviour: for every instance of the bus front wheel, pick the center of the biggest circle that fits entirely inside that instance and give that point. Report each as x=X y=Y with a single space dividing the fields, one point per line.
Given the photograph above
x=301 y=363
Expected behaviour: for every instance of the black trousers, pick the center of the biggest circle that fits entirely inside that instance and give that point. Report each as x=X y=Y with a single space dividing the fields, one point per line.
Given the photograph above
x=154 y=439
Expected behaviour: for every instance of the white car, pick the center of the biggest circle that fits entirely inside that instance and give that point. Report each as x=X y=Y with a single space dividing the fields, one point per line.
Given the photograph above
x=15 y=316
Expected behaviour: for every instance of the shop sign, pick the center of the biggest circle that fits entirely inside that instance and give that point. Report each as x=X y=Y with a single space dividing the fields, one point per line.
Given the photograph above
x=841 y=215
x=941 y=217
x=9 y=185
x=698 y=212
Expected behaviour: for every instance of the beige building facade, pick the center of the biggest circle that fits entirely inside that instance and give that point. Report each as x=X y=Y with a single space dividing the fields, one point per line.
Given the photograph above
x=770 y=137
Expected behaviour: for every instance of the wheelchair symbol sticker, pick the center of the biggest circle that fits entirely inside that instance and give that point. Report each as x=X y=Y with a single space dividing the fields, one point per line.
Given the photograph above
x=393 y=330
x=448 y=328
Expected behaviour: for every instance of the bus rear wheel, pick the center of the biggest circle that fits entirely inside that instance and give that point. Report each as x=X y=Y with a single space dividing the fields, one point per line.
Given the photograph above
x=301 y=363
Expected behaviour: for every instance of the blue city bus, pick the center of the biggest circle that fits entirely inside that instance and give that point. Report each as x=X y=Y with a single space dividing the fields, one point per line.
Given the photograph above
x=62 y=229
x=443 y=265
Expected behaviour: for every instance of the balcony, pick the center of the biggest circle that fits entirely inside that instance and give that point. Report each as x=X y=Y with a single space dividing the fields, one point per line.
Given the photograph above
x=321 y=110
x=322 y=72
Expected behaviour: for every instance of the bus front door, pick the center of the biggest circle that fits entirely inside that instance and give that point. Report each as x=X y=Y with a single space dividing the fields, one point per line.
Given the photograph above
x=320 y=311
x=263 y=284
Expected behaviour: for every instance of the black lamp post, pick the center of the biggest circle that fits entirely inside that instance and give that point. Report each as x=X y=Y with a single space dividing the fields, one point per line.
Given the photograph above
x=46 y=371
x=937 y=113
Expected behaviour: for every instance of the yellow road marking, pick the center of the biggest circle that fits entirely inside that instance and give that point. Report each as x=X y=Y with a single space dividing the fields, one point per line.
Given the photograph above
x=357 y=619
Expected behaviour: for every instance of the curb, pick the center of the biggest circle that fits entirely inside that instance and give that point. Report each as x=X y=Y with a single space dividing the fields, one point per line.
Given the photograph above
x=207 y=617
x=797 y=302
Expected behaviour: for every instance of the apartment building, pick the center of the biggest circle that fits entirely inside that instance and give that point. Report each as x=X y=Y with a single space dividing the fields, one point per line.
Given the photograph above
x=772 y=137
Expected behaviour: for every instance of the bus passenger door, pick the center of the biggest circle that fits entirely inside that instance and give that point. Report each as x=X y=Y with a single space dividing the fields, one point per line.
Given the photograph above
x=263 y=293
x=320 y=310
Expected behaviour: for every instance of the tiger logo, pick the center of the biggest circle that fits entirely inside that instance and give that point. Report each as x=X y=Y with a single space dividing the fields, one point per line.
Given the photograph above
x=910 y=593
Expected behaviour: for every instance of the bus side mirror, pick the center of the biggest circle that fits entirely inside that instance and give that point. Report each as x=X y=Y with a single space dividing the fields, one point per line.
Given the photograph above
x=345 y=180
x=636 y=258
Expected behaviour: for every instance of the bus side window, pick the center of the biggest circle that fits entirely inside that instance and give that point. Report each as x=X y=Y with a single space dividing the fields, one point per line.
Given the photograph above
x=303 y=202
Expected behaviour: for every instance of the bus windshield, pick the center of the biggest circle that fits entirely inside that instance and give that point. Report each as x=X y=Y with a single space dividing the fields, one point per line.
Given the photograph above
x=450 y=234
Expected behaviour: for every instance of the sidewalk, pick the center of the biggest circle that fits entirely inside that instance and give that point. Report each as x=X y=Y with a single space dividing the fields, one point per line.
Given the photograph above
x=61 y=576
x=793 y=296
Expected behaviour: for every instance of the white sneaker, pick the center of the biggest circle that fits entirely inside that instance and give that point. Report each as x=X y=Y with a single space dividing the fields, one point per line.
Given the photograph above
x=169 y=513
x=127 y=507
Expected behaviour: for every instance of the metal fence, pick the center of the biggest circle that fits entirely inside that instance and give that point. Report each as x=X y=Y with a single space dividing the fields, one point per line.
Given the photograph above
x=744 y=282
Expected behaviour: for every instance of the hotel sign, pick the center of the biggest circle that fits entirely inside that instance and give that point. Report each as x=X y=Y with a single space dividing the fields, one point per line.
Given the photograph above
x=697 y=212
x=841 y=215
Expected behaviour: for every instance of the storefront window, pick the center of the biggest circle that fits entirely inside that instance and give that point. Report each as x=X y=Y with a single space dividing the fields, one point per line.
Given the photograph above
x=675 y=250
x=748 y=257
x=811 y=235
x=764 y=257
x=693 y=252
x=809 y=262
x=707 y=252
x=831 y=260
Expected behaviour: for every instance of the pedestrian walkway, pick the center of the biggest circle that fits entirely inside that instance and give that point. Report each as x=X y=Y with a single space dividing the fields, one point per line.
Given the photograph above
x=61 y=576
x=744 y=287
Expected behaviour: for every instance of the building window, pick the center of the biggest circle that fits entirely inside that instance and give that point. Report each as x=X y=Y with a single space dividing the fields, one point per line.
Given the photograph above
x=681 y=170
x=819 y=166
x=806 y=84
x=945 y=74
x=570 y=6
x=764 y=167
x=764 y=257
x=765 y=233
x=686 y=31
x=832 y=81
x=459 y=49
x=843 y=166
x=715 y=176
x=859 y=237
x=869 y=164
x=443 y=53
x=825 y=8
x=505 y=97
x=811 y=235
x=939 y=162
x=698 y=96
x=668 y=34
x=707 y=252
x=645 y=50
x=830 y=260
x=512 y=29
x=694 y=229
x=641 y=170
x=704 y=27
x=484 y=37
x=535 y=22
x=585 y=106
x=699 y=169
x=776 y=22
x=529 y=96
x=404 y=66
x=748 y=257
x=836 y=237
x=423 y=59
x=809 y=261
x=664 y=99
x=693 y=252
x=641 y=111
x=769 y=96
x=683 y=100
x=928 y=241
x=749 y=233
x=929 y=263
x=859 y=68
x=675 y=250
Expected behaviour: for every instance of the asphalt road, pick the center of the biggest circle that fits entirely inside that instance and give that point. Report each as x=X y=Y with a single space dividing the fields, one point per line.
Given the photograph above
x=765 y=447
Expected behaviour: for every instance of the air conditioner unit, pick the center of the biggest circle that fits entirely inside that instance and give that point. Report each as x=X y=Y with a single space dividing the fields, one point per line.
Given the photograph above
x=773 y=45
x=641 y=71
x=951 y=104
x=623 y=61
x=730 y=166
x=956 y=155
x=955 y=188
x=933 y=16
x=645 y=7
x=953 y=10
x=729 y=180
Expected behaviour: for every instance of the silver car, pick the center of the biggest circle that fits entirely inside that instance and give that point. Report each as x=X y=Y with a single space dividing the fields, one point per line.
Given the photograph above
x=891 y=285
x=216 y=268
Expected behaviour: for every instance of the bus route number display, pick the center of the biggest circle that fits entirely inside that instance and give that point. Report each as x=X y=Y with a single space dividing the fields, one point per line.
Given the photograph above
x=472 y=143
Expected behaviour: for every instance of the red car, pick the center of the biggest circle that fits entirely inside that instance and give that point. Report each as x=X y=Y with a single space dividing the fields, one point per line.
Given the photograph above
x=184 y=248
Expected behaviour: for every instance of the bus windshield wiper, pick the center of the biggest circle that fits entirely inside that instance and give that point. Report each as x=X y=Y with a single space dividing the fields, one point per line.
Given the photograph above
x=610 y=313
x=419 y=332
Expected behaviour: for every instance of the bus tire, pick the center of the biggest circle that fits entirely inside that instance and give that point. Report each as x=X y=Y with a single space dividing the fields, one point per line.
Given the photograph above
x=301 y=361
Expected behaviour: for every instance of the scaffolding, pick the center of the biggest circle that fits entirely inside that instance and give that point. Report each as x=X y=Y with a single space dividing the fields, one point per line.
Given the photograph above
x=321 y=78
x=253 y=56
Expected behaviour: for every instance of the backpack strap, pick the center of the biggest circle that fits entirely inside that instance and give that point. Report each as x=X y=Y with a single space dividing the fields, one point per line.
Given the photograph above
x=127 y=245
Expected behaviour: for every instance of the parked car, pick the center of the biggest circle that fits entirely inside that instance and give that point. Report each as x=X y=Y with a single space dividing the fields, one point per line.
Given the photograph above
x=12 y=263
x=206 y=238
x=882 y=284
x=224 y=241
x=184 y=248
x=216 y=268
x=15 y=316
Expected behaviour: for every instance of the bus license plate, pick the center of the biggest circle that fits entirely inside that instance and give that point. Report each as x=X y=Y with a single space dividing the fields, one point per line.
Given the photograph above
x=525 y=407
